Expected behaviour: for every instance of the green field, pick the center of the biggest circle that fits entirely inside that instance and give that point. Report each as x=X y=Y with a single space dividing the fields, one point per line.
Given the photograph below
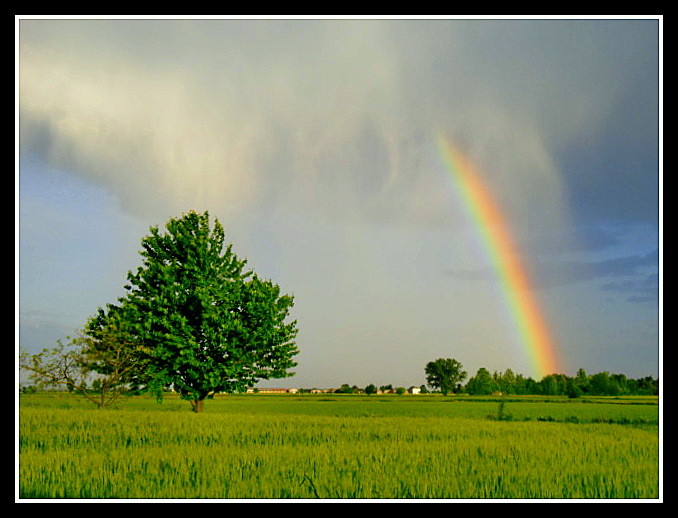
x=340 y=447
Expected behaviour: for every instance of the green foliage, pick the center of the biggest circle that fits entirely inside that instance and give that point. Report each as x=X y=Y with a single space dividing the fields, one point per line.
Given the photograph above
x=600 y=384
x=507 y=383
x=444 y=374
x=344 y=389
x=202 y=324
x=370 y=389
x=483 y=383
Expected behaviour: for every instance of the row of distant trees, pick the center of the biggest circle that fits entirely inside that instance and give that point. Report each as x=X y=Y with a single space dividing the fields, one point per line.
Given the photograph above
x=447 y=375
x=373 y=389
x=507 y=382
x=599 y=384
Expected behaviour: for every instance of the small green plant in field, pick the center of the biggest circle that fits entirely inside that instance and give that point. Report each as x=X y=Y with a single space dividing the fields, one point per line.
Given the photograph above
x=502 y=414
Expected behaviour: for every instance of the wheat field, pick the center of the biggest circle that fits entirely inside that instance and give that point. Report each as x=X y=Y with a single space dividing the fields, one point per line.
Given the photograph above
x=310 y=447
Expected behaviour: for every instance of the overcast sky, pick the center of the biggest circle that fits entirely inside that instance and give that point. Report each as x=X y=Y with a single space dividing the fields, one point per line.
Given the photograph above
x=313 y=142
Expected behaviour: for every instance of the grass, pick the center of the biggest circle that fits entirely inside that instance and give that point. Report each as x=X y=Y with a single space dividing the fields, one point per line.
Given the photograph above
x=339 y=447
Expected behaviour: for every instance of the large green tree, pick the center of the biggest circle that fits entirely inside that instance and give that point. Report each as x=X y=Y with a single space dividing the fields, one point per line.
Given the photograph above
x=444 y=374
x=202 y=323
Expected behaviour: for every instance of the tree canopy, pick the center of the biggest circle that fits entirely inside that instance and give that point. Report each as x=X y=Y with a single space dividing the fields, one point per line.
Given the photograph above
x=203 y=324
x=444 y=374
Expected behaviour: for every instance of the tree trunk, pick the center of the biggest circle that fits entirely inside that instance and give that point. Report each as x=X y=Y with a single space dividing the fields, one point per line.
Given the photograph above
x=198 y=405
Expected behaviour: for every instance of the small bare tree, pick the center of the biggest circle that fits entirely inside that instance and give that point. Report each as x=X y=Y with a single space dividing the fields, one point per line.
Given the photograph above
x=105 y=362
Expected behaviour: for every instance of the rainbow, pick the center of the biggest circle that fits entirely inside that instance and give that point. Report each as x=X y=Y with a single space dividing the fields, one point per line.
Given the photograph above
x=503 y=253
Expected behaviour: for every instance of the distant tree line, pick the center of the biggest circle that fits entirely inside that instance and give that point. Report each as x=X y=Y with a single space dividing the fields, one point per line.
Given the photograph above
x=446 y=375
x=599 y=384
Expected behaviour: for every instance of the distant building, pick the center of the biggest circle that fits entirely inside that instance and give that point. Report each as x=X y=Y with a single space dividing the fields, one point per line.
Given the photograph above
x=272 y=390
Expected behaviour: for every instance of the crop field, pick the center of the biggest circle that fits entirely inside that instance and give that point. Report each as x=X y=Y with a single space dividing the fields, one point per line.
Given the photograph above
x=340 y=447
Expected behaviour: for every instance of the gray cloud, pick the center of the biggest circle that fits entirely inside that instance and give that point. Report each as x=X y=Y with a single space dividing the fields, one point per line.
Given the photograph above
x=333 y=117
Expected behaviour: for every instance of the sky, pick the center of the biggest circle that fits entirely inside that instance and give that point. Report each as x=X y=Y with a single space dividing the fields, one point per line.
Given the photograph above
x=314 y=142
